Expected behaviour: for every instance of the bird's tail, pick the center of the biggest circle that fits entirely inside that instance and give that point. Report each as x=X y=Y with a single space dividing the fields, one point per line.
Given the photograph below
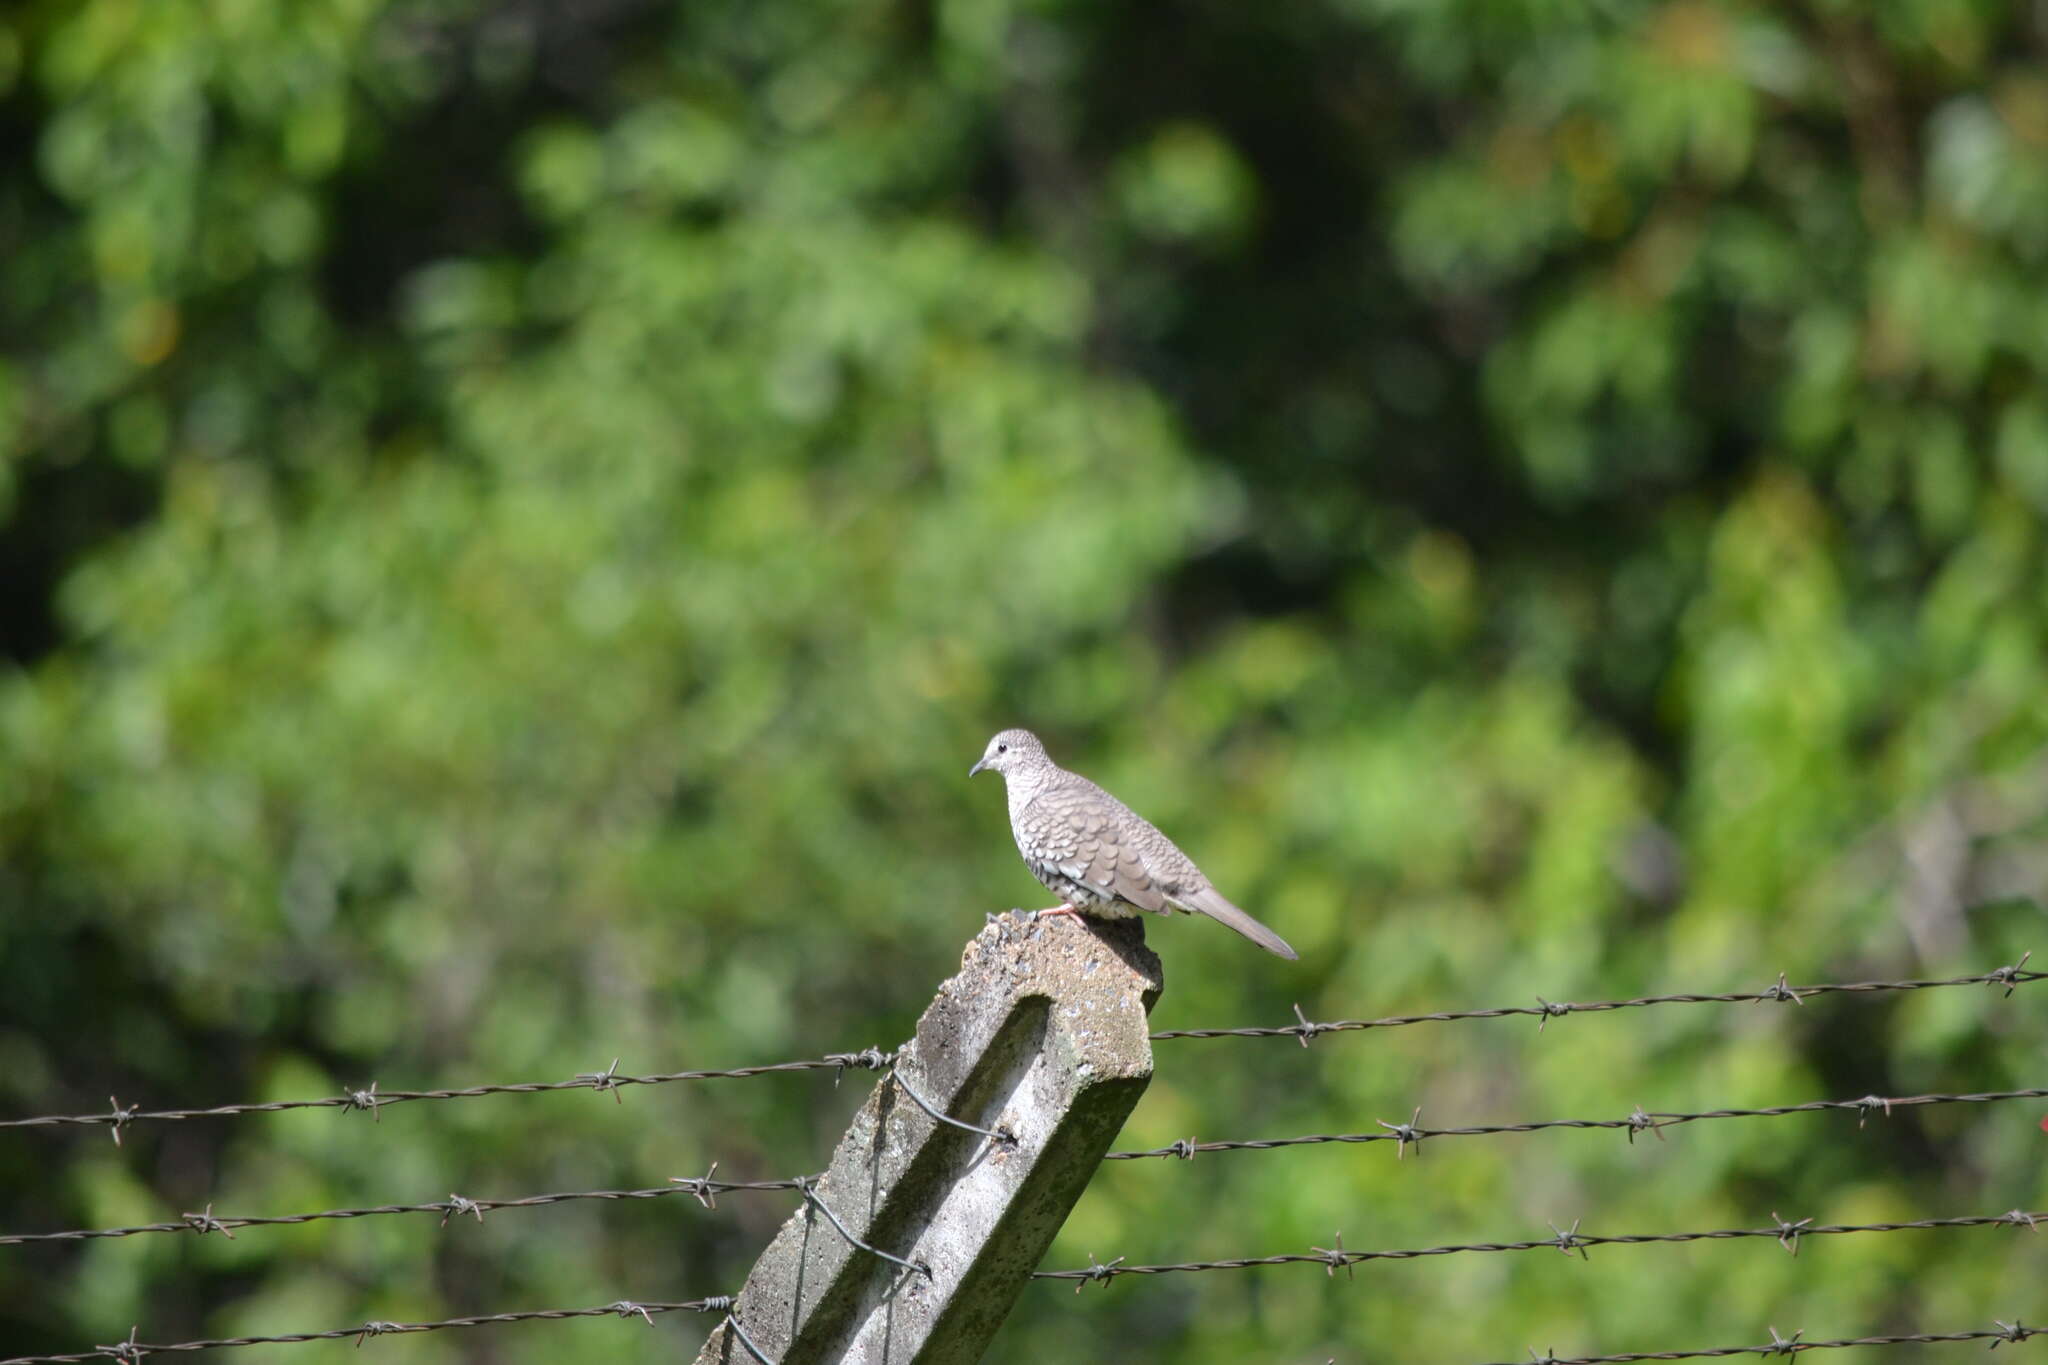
x=1211 y=903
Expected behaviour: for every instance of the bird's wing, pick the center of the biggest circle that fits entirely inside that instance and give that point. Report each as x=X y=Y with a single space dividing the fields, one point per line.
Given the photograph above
x=1086 y=833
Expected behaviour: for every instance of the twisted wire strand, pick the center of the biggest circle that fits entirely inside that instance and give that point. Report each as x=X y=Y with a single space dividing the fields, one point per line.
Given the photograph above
x=1304 y=1028
x=1638 y=1122
x=369 y=1099
x=1997 y=1334
x=1570 y=1241
x=705 y=1189
x=132 y=1350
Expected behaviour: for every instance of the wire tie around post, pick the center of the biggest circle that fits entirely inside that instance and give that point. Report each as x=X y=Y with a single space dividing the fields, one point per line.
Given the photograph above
x=732 y=1320
x=1002 y=1137
x=806 y=1185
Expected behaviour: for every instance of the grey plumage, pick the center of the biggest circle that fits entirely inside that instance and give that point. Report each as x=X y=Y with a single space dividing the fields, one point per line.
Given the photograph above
x=1097 y=854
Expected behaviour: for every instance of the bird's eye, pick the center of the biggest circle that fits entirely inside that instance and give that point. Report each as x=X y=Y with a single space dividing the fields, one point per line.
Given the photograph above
x=1002 y=748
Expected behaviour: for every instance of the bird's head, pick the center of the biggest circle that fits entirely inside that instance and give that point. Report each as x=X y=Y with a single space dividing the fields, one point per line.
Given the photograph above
x=1011 y=751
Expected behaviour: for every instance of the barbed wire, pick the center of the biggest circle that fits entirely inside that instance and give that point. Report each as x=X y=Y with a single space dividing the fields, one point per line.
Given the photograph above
x=1998 y=1333
x=1638 y=1122
x=704 y=1188
x=370 y=1100
x=131 y=1350
x=1568 y=1240
x=1544 y=1011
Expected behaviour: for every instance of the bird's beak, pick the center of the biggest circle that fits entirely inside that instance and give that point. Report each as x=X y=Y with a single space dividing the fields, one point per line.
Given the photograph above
x=978 y=766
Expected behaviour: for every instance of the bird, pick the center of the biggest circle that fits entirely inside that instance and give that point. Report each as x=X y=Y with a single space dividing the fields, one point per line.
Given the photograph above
x=1096 y=854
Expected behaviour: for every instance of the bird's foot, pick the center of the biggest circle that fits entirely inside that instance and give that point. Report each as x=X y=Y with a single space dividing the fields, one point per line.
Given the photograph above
x=1061 y=909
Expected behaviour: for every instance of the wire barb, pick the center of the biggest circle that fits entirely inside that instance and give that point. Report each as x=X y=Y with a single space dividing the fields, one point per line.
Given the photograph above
x=1638 y=1121
x=1304 y=1028
x=2011 y=975
x=702 y=1186
x=1550 y=1010
x=1098 y=1270
x=1568 y=1240
x=1781 y=991
x=607 y=1079
x=1868 y=1103
x=364 y=1099
x=203 y=1223
x=124 y=1350
x=2014 y=1331
x=458 y=1205
x=1336 y=1256
x=1405 y=1133
x=626 y=1308
x=376 y=1328
x=1788 y=1233
x=120 y=1118
x=1784 y=1346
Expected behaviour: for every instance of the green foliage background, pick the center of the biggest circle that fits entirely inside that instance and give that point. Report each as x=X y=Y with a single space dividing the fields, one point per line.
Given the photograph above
x=518 y=516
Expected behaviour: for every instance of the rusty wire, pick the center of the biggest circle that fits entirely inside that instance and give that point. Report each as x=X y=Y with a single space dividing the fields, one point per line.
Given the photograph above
x=1543 y=1011
x=1568 y=1240
x=132 y=1350
x=1637 y=1122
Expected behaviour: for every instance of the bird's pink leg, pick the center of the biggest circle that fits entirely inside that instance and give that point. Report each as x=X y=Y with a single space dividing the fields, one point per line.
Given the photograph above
x=1061 y=909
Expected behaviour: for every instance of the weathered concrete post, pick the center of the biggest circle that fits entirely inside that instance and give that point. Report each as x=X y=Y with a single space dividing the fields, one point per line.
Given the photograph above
x=1041 y=1038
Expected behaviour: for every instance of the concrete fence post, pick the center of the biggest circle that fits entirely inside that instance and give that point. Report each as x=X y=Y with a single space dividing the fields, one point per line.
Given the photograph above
x=918 y=1238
